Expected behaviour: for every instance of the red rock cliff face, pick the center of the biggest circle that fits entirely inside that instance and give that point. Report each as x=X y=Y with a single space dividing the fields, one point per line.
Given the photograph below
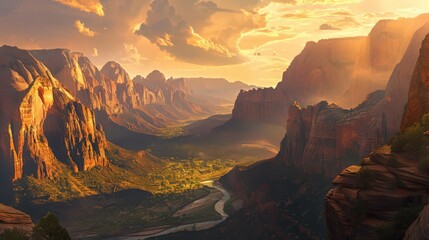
x=42 y=123
x=418 y=96
x=112 y=91
x=320 y=138
x=265 y=105
x=370 y=196
x=11 y=218
x=343 y=71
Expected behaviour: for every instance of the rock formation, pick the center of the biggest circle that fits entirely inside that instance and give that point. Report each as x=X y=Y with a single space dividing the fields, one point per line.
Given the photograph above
x=42 y=123
x=369 y=197
x=329 y=135
x=11 y=218
x=343 y=71
x=419 y=229
x=129 y=103
x=418 y=96
x=320 y=138
x=375 y=199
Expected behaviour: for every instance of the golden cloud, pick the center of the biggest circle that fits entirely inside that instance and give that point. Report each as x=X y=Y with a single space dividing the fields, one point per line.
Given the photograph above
x=80 y=26
x=92 y=6
x=300 y=2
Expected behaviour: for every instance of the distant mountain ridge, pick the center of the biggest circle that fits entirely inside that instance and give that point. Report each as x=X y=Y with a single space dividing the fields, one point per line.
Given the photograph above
x=341 y=70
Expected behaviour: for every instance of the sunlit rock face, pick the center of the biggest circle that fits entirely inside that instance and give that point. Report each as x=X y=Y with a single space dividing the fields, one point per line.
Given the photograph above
x=42 y=123
x=11 y=218
x=343 y=71
x=418 y=97
x=129 y=103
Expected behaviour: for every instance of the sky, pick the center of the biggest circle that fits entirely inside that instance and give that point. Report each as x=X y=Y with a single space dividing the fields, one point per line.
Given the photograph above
x=252 y=41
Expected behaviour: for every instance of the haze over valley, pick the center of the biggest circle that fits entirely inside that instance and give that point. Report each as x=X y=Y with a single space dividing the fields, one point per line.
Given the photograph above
x=171 y=119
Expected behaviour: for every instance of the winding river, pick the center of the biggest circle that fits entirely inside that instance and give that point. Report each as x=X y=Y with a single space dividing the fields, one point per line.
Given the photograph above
x=219 y=207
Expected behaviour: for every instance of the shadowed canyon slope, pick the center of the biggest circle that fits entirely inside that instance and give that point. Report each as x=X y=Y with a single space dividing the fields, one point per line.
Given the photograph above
x=388 y=185
x=342 y=70
x=330 y=135
x=42 y=124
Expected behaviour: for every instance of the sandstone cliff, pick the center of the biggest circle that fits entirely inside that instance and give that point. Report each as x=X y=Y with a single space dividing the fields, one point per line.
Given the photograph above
x=343 y=71
x=11 y=218
x=42 y=123
x=332 y=137
x=369 y=200
x=378 y=199
x=418 y=96
x=323 y=138
x=129 y=103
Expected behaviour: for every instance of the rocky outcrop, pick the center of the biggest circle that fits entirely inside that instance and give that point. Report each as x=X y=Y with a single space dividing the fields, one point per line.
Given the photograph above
x=370 y=199
x=418 y=96
x=378 y=198
x=322 y=138
x=11 y=218
x=343 y=71
x=42 y=123
x=264 y=105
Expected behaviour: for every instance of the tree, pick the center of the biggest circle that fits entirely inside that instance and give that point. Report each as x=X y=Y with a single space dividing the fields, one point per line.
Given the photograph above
x=49 y=228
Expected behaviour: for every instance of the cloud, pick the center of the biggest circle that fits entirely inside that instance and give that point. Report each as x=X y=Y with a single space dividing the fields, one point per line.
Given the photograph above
x=327 y=26
x=196 y=31
x=80 y=26
x=299 y=15
x=327 y=2
x=132 y=55
x=94 y=52
x=92 y=6
x=257 y=38
x=343 y=23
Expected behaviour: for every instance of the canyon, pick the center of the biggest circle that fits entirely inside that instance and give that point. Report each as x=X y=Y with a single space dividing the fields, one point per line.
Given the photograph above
x=341 y=70
x=372 y=200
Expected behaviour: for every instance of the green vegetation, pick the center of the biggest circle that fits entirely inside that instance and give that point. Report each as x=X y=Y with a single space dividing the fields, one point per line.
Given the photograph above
x=183 y=175
x=127 y=170
x=49 y=228
x=14 y=234
x=126 y=215
x=413 y=141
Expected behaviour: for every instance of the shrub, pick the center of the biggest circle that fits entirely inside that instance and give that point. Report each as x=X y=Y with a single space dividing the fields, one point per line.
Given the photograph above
x=49 y=228
x=412 y=139
x=14 y=234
